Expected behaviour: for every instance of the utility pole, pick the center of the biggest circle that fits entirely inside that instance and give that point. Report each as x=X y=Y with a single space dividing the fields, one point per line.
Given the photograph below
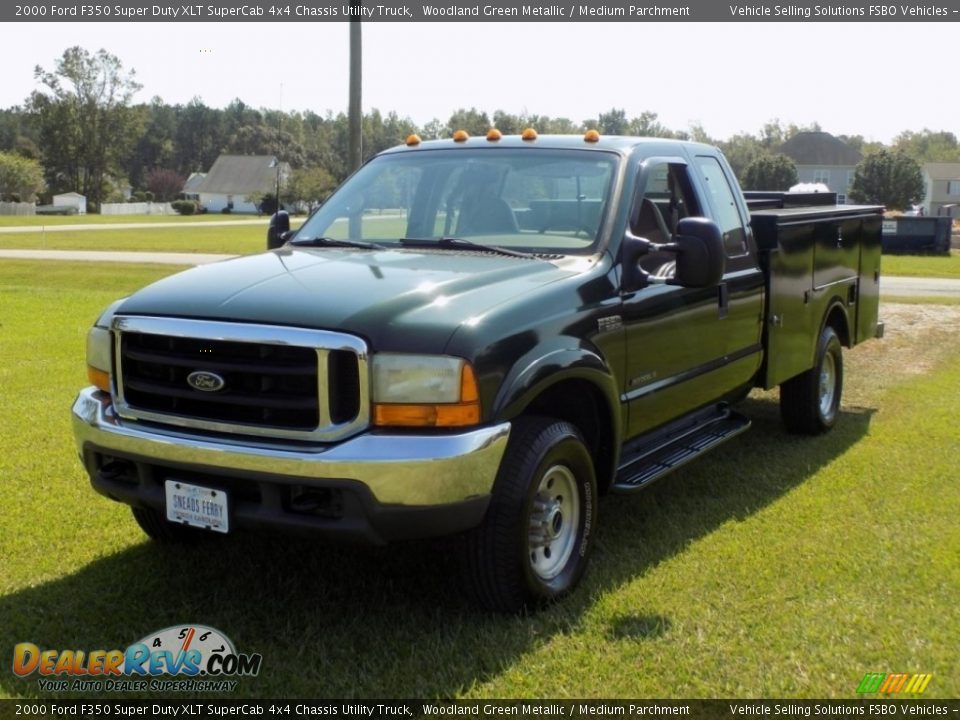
x=279 y=136
x=355 y=111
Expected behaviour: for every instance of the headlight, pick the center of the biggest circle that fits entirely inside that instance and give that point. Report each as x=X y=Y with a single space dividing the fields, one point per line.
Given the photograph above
x=100 y=349
x=424 y=391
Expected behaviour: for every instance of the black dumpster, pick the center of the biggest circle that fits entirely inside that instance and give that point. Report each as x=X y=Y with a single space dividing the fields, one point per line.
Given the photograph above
x=917 y=235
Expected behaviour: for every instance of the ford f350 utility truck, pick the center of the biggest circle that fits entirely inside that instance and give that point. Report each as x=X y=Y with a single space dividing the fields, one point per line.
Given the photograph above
x=539 y=320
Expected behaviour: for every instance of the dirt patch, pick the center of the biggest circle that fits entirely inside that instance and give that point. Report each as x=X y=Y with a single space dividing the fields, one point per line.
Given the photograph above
x=911 y=321
x=916 y=339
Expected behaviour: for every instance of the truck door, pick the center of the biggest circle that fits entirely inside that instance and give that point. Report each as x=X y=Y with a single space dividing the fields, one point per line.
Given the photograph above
x=686 y=347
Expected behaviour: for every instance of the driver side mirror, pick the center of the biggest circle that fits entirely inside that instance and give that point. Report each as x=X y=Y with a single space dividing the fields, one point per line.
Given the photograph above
x=698 y=245
x=701 y=261
x=279 y=229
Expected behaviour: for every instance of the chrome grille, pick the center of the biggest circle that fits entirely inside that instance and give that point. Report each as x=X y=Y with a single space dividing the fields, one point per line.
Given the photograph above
x=237 y=378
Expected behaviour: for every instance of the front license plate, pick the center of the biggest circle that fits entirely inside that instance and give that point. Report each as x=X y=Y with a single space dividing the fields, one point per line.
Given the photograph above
x=198 y=506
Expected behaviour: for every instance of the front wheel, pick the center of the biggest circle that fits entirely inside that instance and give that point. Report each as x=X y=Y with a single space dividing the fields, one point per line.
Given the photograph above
x=534 y=543
x=810 y=402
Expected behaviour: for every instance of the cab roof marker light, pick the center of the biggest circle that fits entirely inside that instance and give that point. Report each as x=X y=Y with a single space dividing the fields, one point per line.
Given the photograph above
x=461 y=136
x=529 y=134
x=413 y=140
x=493 y=134
x=591 y=136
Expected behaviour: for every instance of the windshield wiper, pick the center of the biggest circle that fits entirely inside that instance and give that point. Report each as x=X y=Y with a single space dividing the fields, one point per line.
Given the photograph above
x=333 y=242
x=455 y=243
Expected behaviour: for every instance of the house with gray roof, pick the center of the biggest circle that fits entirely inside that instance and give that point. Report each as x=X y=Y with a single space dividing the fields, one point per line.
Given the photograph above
x=190 y=187
x=234 y=179
x=822 y=158
x=941 y=181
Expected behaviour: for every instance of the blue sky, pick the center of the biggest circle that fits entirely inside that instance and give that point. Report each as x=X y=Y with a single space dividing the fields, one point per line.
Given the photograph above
x=853 y=78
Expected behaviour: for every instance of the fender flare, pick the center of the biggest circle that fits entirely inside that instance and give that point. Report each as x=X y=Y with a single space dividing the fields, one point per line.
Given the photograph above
x=549 y=364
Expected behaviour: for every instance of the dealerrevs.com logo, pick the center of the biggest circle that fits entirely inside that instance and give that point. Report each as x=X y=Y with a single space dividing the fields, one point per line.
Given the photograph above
x=184 y=658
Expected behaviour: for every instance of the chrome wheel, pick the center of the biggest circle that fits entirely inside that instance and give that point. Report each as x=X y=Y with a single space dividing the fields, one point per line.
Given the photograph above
x=828 y=386
x=810 y=401
x=554 y=522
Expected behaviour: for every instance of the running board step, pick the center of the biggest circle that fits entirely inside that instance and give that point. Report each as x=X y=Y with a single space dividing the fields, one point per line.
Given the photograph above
x=678 y=450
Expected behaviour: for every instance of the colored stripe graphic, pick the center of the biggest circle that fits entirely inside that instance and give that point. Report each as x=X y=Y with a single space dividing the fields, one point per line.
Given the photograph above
x=892 y=683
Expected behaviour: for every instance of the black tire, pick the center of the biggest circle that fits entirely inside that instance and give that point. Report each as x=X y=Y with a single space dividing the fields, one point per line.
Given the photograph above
x=535 y=541
x=158 y=528
x=810 y=402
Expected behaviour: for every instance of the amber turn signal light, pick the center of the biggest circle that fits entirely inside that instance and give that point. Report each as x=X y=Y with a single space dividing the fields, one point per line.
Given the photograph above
x=99 y=378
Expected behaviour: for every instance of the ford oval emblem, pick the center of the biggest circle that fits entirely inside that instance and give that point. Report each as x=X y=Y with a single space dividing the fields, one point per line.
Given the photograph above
x=205 y=381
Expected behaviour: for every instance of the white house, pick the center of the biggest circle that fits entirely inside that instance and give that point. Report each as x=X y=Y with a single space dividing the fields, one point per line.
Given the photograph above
x=71 y=199
x=190 y=187
x=234 y=178
x=941 y=182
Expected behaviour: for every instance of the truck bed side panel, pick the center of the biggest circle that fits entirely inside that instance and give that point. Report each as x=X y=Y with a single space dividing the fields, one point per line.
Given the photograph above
x=868 y=302
x=815 y=258
x=789 y=326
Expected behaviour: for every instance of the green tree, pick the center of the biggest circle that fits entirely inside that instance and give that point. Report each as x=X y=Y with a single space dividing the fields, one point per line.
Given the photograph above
x=17 y=133
x=559 y=126
x=774 y=133
x=156 y=146
x=86 y=124
x=433 y=130
x=507 y=123
x=262 y=139
x=928 y=146
x=861 y=145
x=741 y=150
x=647 y=125
x=381 y=132
x=472 y=120
x=309 y=185
x=699 y=134
x=770 y=172
x=200 y=137
x=20 y=178
x=613 y=122
x=887 y=178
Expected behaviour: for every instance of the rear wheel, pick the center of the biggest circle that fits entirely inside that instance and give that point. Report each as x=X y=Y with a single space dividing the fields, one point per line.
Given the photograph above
x=156 y=526
x=810 y=402
x=534 y=543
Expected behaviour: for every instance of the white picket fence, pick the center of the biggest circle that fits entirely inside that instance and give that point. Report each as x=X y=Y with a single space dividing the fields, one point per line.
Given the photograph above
x=12 y=208
x=142 y=208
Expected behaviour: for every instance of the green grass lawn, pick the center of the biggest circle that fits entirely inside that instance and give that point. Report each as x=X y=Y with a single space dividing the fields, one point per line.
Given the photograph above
x=924 y=300
x=778 y=566
x=934 y=266
x=35 y=220
x=232 y=239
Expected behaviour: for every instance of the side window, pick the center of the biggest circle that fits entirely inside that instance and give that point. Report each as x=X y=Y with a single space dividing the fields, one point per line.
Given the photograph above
x=668 y=197
x=724 y=204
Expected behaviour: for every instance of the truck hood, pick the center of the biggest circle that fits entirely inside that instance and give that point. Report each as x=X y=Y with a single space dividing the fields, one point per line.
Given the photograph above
x=383 y=295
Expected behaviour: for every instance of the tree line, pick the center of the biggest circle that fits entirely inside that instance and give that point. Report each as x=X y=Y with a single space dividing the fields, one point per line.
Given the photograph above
x=81 y=131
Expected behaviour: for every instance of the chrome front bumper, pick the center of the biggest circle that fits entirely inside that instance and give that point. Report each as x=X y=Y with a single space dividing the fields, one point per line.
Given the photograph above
x=391 y=469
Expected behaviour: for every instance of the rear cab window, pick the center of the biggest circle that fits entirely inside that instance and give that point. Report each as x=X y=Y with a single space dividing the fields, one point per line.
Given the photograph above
x=722 y=199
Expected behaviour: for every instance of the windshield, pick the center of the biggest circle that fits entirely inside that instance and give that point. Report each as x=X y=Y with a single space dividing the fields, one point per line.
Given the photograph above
x=541 y=201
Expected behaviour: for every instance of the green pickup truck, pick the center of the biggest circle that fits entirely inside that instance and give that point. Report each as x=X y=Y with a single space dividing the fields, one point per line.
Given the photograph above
x=477 y=337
